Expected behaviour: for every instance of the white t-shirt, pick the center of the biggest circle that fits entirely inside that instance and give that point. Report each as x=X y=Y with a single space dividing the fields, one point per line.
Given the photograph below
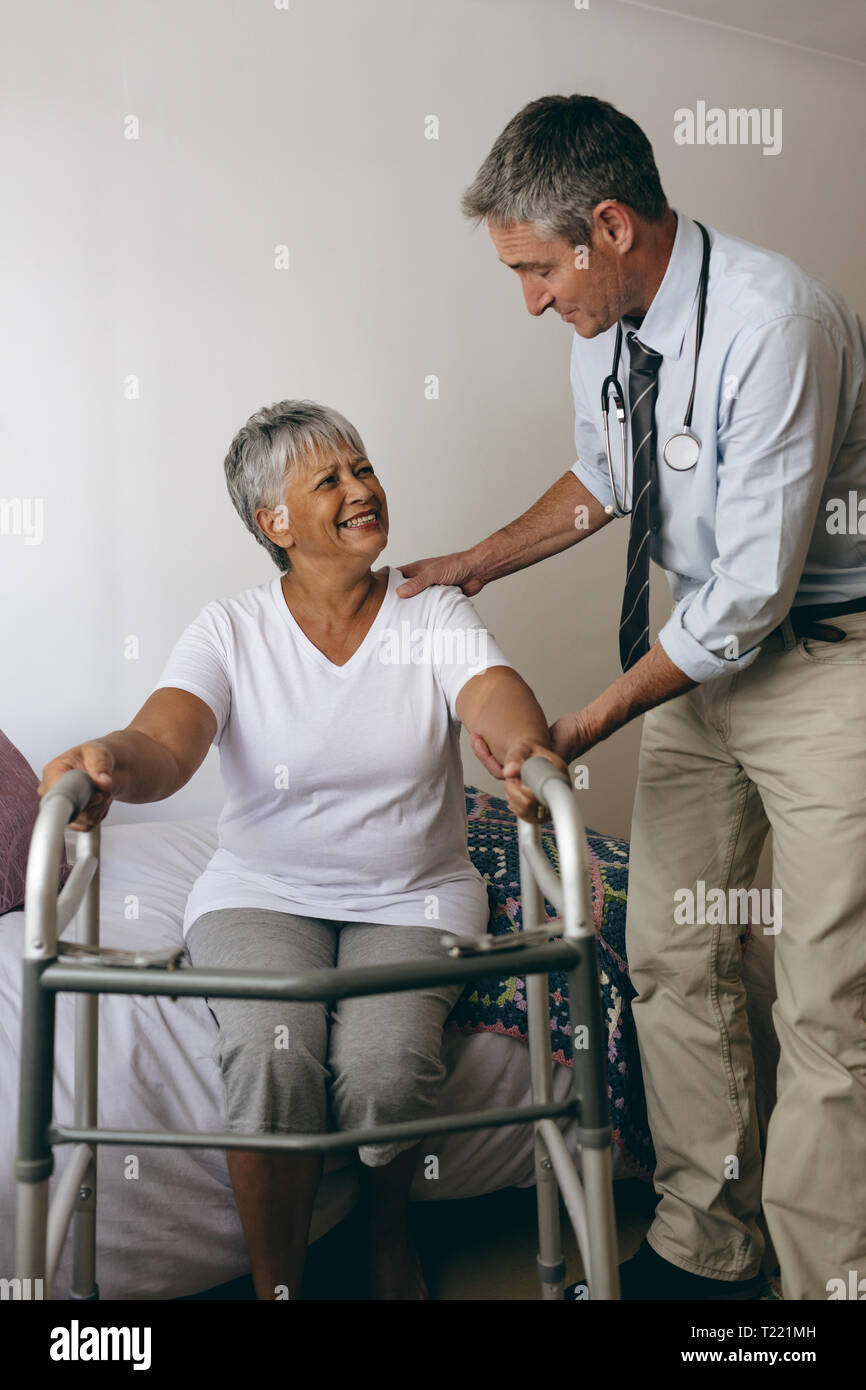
x=344 y=784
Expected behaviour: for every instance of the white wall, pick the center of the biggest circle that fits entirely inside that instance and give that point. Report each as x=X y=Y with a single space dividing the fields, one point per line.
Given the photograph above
x=155 y=258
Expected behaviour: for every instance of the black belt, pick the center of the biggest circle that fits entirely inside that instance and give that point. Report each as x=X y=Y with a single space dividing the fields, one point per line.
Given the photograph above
x=805 y=619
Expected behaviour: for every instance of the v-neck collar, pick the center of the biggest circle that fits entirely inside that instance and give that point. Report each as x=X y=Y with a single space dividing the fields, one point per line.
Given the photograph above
x=311 y=650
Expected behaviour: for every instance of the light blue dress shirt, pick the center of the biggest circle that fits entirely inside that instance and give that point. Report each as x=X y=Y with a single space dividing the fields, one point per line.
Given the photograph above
x=774 y=513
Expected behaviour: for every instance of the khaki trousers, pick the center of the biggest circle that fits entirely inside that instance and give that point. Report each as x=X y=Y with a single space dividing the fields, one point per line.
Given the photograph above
x=782 y=745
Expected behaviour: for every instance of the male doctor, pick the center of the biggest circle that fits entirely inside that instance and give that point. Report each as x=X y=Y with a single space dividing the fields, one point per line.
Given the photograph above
x=754 y=690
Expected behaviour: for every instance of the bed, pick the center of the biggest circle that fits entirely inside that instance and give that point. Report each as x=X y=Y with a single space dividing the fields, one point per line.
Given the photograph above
x=166 y=1221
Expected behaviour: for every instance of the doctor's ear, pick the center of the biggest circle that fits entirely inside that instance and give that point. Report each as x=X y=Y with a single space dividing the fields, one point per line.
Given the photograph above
x=614 y=224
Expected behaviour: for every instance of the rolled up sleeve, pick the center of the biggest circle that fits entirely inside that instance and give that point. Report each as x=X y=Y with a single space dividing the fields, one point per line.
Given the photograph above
x=775 y=446
x=590 y=466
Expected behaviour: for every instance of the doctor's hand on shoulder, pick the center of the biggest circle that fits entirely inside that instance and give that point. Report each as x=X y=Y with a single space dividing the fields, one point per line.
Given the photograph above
x=458 y=569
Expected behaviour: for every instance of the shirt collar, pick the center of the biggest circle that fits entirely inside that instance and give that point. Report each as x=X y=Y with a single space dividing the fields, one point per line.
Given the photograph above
x=665 y=322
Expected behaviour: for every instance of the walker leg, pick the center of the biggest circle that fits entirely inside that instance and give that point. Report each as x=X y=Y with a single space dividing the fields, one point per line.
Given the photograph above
x=34 y=1160
x=597 y=1167
x=595 y=1133
x=31 y=1223
x=84 y=1286
x=549 y=1261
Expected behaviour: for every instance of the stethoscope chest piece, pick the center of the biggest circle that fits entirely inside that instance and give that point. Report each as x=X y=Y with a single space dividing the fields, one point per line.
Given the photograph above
x=682 y=451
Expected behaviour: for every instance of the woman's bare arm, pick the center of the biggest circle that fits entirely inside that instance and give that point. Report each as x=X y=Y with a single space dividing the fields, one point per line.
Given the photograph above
x=152 y=758
x=499 y=706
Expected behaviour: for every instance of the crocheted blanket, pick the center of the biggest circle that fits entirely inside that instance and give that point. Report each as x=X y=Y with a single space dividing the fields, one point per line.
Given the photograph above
x=499 y=1006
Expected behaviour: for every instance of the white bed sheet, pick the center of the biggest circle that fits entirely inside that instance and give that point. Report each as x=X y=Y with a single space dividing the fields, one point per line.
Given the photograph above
x=169 y=1226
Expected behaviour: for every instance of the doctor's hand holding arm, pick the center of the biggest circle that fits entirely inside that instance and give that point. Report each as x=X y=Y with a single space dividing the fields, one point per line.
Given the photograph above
x=500 y=711
x=650 y=682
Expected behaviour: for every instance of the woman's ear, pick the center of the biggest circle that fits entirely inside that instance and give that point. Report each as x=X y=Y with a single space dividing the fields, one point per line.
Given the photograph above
x=273 y=522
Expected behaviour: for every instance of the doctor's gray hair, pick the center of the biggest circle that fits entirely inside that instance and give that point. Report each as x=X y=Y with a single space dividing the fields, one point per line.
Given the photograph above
x=556 y=160
x=267 y=450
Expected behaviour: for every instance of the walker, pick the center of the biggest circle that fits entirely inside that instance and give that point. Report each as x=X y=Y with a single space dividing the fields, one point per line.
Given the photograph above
x=88 y=970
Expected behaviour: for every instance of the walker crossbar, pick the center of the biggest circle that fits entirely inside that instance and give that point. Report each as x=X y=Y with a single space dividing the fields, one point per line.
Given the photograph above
x=321 y=1143
x=345 y=983
x=42 y=1224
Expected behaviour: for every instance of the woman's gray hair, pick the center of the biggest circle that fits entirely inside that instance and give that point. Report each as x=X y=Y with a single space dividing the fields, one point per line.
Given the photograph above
x=556 y=160
x=269 y=447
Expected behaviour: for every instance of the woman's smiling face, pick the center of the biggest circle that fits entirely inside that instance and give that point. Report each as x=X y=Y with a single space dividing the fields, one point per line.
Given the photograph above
x=324 y=494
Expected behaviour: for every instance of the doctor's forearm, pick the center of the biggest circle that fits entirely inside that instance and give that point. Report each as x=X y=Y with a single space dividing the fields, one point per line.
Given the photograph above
x=651 y=681
x=551 y=524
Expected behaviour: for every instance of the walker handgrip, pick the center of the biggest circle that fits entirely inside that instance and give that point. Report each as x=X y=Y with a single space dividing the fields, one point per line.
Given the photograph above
x=76 y=787
x=537 y=771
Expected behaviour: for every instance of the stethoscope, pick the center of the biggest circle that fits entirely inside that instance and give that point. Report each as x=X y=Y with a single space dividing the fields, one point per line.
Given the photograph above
x=683 y=449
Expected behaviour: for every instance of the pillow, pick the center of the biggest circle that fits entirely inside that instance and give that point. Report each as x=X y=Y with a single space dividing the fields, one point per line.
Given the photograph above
x=19 y=806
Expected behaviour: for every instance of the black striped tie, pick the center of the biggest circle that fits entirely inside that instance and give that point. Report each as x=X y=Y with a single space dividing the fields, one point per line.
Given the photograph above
x=642 y=391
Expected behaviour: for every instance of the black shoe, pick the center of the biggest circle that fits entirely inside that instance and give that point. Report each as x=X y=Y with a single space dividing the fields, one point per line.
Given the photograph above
x=647 y=1276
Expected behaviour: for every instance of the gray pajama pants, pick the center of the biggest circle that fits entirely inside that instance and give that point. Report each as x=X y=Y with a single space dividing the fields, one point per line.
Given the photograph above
x=291 y=1067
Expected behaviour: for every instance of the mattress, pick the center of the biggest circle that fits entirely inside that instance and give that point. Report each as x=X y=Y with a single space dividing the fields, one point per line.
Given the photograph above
x=166 y=1219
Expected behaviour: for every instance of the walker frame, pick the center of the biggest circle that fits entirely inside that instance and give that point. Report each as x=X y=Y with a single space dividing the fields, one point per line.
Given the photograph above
x=43 y=1222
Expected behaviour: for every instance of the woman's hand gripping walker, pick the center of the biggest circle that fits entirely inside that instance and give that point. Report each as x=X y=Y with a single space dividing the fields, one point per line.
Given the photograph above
x=536 y=772
x=82 y=780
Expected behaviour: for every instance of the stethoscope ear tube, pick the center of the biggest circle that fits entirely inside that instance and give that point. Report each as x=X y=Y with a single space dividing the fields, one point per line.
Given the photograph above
x=699 y=326
x=683 y=449
x=611 y=384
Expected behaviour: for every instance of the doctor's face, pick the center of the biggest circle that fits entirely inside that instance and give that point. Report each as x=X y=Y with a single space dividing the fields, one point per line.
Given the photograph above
x=586 y=286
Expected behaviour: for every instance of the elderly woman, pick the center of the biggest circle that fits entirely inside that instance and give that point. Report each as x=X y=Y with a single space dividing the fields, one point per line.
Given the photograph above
x=336 y=707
